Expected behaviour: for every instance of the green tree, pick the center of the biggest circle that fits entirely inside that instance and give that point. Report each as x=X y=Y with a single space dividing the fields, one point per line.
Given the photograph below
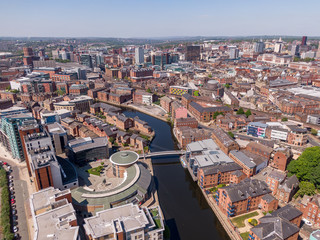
x=306 y=188
x=149 y=90
x=196 y=93
x=284 y=119
x=231 y=134
x=314 y=132
x=15 y=91
x=8 y=88
x=307 y=166
x=240 y=111
x=210 y=76
x=61 y=92
x=227 y=85
x=248 y=113
x=111 y=139
x=216 y=114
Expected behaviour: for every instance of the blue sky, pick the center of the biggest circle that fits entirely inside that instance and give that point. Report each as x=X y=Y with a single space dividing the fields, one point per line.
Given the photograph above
x=154 y=18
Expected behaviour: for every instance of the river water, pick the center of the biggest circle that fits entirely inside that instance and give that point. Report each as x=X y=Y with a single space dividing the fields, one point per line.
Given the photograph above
x=185 y=209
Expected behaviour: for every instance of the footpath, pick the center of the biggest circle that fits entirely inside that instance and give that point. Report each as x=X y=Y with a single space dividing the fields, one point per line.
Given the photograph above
x=23 y=188
x=225 y=222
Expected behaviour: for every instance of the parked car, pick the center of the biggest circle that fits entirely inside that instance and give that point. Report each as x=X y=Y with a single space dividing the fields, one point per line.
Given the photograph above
x=11 y=188
x=11 y=185
x=13 y=201
x=15 y=229
x=11 y=177
x=16 y=236
x=14 y=212
x=15 y=218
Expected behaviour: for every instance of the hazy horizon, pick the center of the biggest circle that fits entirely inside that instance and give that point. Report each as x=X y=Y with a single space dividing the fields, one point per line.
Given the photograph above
x=158 y=19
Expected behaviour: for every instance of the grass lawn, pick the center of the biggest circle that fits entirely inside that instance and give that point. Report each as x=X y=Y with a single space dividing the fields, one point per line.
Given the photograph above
x=154 y=212
x=95 y=171
x=244 y=235
x=239 y=221
x=158 y=223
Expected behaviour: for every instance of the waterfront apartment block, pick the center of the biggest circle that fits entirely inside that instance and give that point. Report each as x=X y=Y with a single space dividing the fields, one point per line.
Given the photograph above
x=186 y=122
x=243 y=197
x=210 y=166
x=224 y=173
x=126 y=222
x=165 y=103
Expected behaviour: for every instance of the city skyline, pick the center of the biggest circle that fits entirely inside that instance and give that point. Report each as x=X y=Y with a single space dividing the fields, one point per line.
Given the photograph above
x=145 y=19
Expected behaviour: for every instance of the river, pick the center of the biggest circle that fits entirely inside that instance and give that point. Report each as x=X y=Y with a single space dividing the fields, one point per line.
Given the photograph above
x=185 y=209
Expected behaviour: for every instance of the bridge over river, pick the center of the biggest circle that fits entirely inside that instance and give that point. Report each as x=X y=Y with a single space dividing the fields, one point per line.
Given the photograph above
x=163 y=153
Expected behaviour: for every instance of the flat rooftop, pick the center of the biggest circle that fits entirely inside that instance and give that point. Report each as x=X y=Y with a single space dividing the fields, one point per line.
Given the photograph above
x=124 y=158
x=55 y=224
x=130 y=217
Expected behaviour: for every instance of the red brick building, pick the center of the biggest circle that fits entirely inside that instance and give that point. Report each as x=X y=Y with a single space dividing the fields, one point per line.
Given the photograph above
x=9 y=95
x=281 y=224
x=206 y=114
x=310 y=208
x=243 y=197
x=259 y=149
x=219 y=174
x=165 y=103
x=186 y=122
x=224 y=141
x=280 y=159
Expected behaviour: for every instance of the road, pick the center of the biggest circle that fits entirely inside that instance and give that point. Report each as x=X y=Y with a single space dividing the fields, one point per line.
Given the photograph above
x=312 y=141
x=22 y=198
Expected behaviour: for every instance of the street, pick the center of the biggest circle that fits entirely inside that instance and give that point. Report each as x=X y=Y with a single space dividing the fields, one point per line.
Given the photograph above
x=22 y=198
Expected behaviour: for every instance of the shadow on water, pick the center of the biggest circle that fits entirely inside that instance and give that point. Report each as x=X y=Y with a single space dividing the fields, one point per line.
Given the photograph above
x=186 y=211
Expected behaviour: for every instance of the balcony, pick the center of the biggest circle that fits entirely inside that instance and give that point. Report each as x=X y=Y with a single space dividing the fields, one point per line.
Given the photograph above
x=223 y=193
x=230 y=214
x=231 y=206
x=231 y=210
